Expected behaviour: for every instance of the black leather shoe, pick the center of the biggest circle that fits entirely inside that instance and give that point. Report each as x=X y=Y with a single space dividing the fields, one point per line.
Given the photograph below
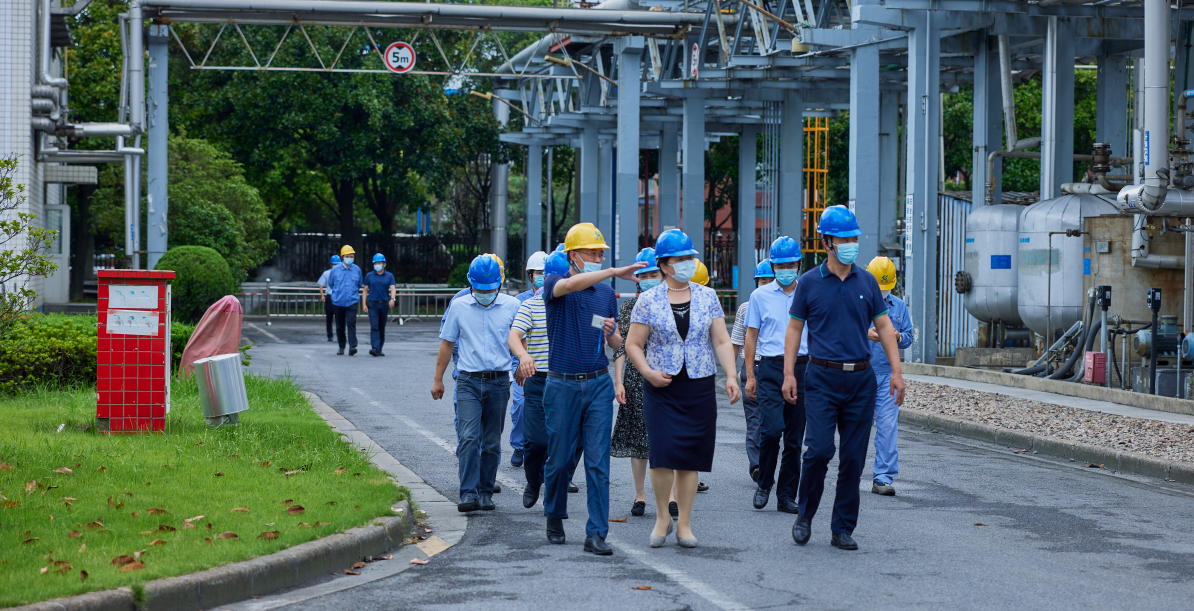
x=487 y=502
x=467 y=506
x=638 y=509
x=380 y=353
x=555 y=531
x=597 y=545
x=843 y=541
x=497 y=487
x=786 y=506
x=673 y=509
x=762 y=495
x=572 y=488
x=754 y=474
x=530 y=496
x=331 y=340
x=340 y=352
x=802 y=530
x=702 y=487
x=352 y=352
x=516 y=459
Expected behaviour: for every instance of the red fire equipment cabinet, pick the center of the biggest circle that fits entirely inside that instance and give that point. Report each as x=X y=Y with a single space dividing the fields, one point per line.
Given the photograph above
x=133 y=359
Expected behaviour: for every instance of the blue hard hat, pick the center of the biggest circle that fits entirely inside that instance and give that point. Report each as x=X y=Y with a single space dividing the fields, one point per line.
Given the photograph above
x=335 y=259
x=484 y=273
x=763 y=270
x=557 y=263
x=673 y=243
x=785 y=250
x=839 y=222
x=559 y=247
x=646 y=255
x=379 y=257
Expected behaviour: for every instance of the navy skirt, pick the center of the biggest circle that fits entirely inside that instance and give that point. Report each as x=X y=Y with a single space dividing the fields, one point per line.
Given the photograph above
x=681 y=423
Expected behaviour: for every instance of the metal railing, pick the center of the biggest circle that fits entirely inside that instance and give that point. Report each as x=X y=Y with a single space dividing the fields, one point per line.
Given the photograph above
x=294 y=300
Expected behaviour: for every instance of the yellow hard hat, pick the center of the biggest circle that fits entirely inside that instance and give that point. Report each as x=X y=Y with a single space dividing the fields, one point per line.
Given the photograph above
x=884 y=272
x=701 y=276
x=501 y=265
x=584 y=236
x=347 y=250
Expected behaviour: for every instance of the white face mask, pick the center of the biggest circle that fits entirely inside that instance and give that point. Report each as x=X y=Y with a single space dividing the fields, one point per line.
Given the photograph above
x=684 y=270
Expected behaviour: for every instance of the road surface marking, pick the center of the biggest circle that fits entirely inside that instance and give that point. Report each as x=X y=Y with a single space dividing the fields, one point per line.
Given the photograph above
x=268 y=334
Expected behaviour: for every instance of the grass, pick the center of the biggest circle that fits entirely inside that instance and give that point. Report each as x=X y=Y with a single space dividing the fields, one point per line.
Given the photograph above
x=131 y=495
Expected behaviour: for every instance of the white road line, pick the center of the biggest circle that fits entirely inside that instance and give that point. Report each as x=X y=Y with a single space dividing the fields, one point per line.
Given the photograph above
x=268 y=334
x=682 y=578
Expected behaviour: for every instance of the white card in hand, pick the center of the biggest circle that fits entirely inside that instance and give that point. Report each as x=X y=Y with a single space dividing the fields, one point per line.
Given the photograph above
x=598 y=321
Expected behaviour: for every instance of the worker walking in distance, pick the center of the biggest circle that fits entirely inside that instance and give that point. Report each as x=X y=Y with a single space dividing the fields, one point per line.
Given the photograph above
x=534 y=277
x=750 y=405
x=344 y=284
x=578 y=399
x=779 y=418
x=329 y=310
x=838 y=302
x=887 y=413
x=480 y=323
x=378 y=285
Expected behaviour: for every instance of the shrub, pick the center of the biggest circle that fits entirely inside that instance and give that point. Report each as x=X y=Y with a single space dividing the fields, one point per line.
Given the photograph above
x=54 y=350
x=459 y=276
x=201 y=278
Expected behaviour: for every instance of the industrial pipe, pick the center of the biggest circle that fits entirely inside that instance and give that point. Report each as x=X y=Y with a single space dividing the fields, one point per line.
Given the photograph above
x=1156 y=103
x=1133 y=199
x=521 y=58
x=1009 y=98
x=44 y=73
x=99 y=130
x=42 y=124
x=1029 y=142
x=1079 y=350
x=1083 y=338
x=1065 y=337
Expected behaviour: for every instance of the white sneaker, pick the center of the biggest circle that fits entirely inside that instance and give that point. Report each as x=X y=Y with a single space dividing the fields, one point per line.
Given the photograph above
x=882 y=489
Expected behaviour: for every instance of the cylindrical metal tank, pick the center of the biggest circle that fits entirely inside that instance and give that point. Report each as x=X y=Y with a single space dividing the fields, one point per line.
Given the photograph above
x=1107 y=246
x=1050 y=276
x=992 y=234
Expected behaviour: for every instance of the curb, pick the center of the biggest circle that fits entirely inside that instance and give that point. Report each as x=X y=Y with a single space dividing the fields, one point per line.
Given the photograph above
x=1129 y=462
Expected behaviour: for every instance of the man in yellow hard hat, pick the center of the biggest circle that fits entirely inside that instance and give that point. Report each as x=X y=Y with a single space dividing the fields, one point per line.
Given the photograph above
x=344 y=285
x=887 y=460
x=701 y=276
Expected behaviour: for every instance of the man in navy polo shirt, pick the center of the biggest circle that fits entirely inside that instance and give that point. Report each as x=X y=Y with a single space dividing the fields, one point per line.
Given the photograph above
x=579 y=395
x=838 y=301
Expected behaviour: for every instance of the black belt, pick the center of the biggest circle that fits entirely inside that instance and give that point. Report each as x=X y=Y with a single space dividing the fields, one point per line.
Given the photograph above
x=484 y=375
x=378 y=301
x=860 y=365
x=541 y=374
x=579 y=376
x=800 y=360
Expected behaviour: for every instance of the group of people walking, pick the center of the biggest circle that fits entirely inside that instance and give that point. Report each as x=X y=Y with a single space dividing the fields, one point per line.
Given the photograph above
x=343 y=287
x=820 y=356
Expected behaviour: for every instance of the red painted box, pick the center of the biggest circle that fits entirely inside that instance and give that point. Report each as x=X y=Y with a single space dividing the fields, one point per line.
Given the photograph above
x=133 y=385
x=1095 y=368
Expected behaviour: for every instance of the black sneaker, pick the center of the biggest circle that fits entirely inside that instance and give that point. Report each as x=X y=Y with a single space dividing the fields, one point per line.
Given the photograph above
x=340 y=352
x=352 y=352
x=572 y=488
x=380 y=353
x=373 y=352
x=516 y=459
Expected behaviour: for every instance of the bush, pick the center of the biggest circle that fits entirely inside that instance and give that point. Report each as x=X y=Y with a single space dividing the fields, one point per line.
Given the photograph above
x=201 y=278
x=56 y=350
x=459 y=276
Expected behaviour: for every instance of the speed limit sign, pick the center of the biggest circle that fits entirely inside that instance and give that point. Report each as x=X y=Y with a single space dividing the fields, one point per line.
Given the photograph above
x=399 y=57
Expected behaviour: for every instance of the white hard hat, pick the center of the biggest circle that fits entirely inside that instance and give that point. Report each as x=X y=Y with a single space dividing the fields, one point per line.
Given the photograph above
x=537 y=261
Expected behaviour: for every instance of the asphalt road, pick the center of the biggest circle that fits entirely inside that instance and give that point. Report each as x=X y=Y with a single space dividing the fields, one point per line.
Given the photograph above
x=974 y=526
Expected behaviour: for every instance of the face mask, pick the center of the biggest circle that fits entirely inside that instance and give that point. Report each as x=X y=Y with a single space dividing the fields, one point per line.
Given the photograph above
x=885 y=294
x=846 y=253
x=485 y=298
x=592 y=267
x=378 y=267
x=348 y=261
x=649 y=284
x=538 y=282
x=786 y=276
x=684 y=270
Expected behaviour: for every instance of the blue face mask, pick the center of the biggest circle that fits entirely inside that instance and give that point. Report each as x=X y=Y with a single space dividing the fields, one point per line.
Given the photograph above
x=485 y=298
x=649 y=284
x=348 y=262
x=538 y=281
x=592 y=267
x=377 y=267
x=846 y=253
x=786 y=276
x=684 y=270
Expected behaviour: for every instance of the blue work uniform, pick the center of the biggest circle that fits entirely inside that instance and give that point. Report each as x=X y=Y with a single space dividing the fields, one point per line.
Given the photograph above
x=344 y=286
x=578 y=399
x=465 y=292
x=482 y=387
x=887 y=413
x=839 y=386
x=379 y=306
x=768 y=313
x=517 y=392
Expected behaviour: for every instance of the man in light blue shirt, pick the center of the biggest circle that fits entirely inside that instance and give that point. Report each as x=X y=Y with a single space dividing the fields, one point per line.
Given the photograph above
x=328 y=309
x=480 y=323
x=344 y=285
x=887 y=412
x=766 y=325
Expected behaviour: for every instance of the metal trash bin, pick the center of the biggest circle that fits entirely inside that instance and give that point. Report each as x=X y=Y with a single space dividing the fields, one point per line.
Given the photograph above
x=221 y=388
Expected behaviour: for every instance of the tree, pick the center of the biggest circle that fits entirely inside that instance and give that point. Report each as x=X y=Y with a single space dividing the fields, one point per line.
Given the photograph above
x=22 y=248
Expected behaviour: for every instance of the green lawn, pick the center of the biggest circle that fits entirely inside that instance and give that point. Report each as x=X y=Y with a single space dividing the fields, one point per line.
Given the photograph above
x=74 y=500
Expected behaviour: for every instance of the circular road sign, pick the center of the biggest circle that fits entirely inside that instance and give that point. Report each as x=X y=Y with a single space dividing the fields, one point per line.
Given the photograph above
x=399 y=57
x=696 y=55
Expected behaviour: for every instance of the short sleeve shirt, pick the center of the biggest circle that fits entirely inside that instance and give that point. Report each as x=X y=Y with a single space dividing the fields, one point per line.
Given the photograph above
x=738 y=335
x=379 y=285
x=576 y=346
x=323 y=278
x=531 y=320
x=768 y=312
x=481 y=332
x=838 y=312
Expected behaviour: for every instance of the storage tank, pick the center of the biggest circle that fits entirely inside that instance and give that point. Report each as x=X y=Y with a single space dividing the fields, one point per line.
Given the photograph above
x=992 y=235
x=1057 y=270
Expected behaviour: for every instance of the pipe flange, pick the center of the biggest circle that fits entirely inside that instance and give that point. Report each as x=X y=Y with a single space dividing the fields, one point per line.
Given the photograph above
x=962 y=283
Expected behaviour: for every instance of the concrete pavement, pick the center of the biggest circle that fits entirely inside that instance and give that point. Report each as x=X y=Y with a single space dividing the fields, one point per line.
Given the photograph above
x=973 y=526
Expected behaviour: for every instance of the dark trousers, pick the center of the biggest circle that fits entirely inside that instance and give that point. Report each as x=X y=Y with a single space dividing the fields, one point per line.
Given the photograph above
x=845 y=401
x=534 y=431
x=346 y=316
x=330 y=311
x=481 y=414
x=779 y=419
x=750 y=408
x=379 y=311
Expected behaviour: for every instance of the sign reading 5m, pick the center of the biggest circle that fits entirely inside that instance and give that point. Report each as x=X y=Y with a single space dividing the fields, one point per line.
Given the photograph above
x=399 y=57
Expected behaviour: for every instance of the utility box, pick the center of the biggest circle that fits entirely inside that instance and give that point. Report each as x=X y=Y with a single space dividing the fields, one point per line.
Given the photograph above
x=133 y=356
x=1095 y=368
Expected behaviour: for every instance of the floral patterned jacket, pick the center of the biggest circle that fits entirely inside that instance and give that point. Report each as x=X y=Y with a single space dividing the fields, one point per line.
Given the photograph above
x=665 y=350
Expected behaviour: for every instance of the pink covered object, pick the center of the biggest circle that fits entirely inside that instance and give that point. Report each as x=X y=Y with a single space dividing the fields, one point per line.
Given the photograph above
x=218 y=332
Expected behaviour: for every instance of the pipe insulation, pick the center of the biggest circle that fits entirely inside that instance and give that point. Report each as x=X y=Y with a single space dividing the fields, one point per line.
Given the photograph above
x=1156 y=102
x=46 y=50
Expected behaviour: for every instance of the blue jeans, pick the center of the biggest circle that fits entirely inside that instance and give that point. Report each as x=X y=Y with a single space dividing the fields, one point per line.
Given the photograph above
x=751 y=408
x=480 y=414
x=516 y=426
x=887 y=416
x=379 y=311
x=534 y=428
x=778 y=418
x=845 y=401
x=579 y=411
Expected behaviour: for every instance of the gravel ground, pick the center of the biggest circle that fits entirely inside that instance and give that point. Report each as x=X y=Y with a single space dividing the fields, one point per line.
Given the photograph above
x=1160 y=439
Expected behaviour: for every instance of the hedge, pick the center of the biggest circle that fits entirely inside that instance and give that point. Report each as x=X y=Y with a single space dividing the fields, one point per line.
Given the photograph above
x=202 y=277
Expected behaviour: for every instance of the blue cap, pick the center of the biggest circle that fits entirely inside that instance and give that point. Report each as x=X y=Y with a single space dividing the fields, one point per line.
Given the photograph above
x=379 y=257
x=559 y=247
x=839 y=222
x=557 y=263
x=763 y=270
x=673 y=243
x=646 y=255
x=785 y=250
x=335 y=259
x=484 y=273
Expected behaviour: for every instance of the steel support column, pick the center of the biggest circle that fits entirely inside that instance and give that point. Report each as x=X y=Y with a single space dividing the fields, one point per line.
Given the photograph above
x=534 y=214
x=1111 y=123
x=988 y=119
x=669 y=177
x=605 y=189
x=629 y=50
x=156 y=234
x=920 y=206
x=864 y=154
x=589 y=173
x=889 y=164
x=744 y=225
x=136 y=116
x=790 y=207
x=499 y=194
x=693 y=219
x=1057 y=108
